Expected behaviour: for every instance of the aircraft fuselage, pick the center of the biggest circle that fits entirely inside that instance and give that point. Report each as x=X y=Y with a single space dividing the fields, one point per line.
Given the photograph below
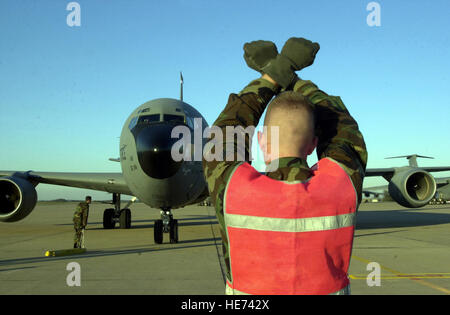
x=145 y=154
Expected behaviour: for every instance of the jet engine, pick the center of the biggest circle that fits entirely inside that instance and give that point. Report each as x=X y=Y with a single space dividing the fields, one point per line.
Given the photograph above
x=18 y=198
x=412 y=188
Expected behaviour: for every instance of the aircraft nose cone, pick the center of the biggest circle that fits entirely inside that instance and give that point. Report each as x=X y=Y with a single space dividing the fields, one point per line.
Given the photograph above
x=154 y=145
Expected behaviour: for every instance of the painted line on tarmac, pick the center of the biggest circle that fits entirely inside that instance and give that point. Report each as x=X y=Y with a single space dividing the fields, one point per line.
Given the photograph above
x=410 y=276
x=417 y=279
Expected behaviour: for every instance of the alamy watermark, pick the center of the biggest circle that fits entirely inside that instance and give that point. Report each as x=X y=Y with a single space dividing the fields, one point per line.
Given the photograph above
x=373 y=279
x=73 y=279
x=374 y=17
x=74 y=17
x=232 y=147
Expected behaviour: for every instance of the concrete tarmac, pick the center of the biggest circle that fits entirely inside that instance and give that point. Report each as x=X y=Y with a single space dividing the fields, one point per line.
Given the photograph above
x=410 y=249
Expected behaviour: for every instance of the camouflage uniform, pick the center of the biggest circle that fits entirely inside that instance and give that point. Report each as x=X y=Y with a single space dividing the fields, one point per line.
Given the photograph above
x=80 y=219
x=338 y=133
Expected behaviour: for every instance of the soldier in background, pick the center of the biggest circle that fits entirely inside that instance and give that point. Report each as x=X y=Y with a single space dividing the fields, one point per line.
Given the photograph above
x=80 y=219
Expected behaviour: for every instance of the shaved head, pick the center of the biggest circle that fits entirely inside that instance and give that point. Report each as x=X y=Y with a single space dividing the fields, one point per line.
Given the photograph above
x=293 y=115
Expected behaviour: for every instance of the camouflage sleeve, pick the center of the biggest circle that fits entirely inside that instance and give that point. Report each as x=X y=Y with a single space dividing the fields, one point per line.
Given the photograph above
x=244 y=110
x=338 y=133
x=239 y=119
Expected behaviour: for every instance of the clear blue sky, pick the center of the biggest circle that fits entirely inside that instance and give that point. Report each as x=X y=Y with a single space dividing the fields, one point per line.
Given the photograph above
x=65 y=92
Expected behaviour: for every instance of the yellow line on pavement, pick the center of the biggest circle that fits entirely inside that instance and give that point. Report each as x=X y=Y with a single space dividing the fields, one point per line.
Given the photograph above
x=411 y=276
x=399 y=275
x=432 y=285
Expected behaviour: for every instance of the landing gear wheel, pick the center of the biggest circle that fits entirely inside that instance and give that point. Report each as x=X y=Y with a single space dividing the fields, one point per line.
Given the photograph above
x=108 y=219
x=173 y=227
x=125 y=219
x=158 y=231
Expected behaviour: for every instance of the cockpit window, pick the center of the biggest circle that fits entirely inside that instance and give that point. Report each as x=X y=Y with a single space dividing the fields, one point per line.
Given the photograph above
x=173 y=118
x=190 y=122
x=147 y=119
x=133 y=123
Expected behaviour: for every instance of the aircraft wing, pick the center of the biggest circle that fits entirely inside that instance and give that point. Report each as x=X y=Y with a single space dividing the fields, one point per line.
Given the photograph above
x=390 y=171
x=108 y=182
x=442 y=181
x=379 y=171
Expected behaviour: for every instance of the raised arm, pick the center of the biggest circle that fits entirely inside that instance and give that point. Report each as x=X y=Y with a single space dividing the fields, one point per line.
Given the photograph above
x=338 y=132
x=242 y=110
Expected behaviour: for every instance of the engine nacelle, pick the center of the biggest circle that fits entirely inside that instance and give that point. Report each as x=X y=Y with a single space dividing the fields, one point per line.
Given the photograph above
x=412 y=188
x=18 y=197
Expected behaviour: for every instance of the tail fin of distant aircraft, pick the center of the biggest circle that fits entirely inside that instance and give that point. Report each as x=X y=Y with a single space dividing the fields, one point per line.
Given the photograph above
x=181 y=86
x=411 y=158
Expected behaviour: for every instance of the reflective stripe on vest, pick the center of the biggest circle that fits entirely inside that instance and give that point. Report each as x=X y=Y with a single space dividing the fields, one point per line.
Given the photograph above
x=289 y=238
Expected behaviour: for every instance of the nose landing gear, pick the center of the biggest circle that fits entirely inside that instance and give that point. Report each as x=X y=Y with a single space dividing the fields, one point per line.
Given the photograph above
x=122 y=216
x=166 y=225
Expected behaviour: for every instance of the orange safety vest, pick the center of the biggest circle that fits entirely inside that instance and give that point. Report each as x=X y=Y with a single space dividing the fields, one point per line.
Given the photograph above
x=290 y=237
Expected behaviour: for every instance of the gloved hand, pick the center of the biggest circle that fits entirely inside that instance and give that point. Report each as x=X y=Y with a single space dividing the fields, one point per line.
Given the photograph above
x=301 y=52
x=297 y=53
x=258 y=54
